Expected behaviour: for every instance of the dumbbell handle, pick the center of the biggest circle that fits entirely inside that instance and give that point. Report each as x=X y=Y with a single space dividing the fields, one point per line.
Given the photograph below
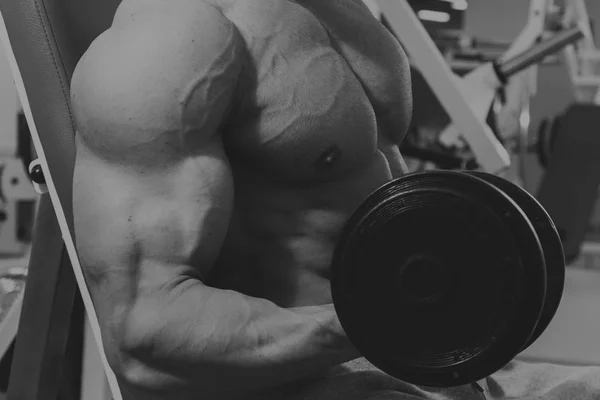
x=538 y=52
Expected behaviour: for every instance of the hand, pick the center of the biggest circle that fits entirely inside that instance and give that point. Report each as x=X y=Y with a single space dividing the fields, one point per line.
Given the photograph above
x=328 y=320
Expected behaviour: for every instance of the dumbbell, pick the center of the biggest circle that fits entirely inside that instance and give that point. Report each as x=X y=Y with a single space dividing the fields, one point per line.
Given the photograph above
x=441 y=278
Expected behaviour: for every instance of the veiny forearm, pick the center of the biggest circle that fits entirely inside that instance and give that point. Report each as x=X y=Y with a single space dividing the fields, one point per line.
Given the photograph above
x=207 y=340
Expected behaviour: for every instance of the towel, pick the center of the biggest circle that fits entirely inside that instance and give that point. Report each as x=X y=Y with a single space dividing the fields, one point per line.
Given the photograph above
x=360 y=380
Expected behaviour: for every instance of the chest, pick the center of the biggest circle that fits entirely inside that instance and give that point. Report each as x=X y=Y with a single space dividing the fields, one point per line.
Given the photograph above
x=323 y=80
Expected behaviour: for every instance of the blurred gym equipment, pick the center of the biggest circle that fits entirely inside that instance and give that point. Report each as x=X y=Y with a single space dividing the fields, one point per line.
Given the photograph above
x=468 y=100
x=43 y=41
x=569 y=188
x=568 y=144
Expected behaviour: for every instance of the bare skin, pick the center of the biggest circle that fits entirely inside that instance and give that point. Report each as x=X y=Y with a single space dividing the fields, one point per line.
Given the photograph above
x=221 y=147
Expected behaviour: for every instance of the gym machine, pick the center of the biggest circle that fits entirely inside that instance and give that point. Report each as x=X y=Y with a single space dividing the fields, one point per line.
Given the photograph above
x=583 y=60
x=43 y=40
x=570 y=185
x=17 y=196
x=17 y=209
x=468 y=100
x=568 y=145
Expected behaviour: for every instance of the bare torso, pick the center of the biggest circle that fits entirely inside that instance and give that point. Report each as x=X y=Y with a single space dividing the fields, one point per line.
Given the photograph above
x=325 y=96
x=324 y=99
x=229 y=162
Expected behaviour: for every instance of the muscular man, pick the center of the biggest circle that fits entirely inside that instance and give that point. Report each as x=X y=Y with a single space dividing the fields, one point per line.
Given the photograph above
x=221 y=146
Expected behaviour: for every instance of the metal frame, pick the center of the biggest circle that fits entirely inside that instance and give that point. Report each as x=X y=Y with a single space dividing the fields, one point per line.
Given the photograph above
x=54 y=276
x=14 y=189
x=45 y=321
x=583 y=60
x=11 y=166
x=94 y=385
x=520 y=88
x=468 y=100
x=488 y=150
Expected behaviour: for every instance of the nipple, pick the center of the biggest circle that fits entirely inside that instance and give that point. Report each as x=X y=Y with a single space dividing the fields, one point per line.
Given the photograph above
x=329 y=157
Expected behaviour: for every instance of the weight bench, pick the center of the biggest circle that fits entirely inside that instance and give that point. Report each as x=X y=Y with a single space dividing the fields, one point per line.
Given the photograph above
x=44 y=40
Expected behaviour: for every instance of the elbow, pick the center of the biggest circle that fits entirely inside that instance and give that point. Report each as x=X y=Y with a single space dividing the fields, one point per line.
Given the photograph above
x=123 y=360
x=134 y=370
x=129 y=355
x=139 y=371
x=139 y=377
x=131 y=372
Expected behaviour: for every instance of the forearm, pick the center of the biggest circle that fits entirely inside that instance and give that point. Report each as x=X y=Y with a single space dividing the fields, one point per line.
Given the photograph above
x=211 y=340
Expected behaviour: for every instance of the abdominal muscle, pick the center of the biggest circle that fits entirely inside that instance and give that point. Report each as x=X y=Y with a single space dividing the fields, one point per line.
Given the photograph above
x=282 y=238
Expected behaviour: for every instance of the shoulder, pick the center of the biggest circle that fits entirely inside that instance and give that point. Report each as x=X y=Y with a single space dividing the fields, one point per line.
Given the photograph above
x=159 y=67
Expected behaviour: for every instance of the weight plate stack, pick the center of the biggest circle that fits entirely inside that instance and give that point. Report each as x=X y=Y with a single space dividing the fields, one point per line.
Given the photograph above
x=547 y=133
x=439 y=278
x=549 y=237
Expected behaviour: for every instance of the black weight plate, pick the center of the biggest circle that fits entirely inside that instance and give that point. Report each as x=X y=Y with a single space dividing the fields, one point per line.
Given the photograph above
x=542 y=148
x=551 y=244
x=429 y=279
x=547 y=133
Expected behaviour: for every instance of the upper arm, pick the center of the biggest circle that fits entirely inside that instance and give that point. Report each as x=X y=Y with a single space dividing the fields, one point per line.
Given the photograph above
x=152 y=187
